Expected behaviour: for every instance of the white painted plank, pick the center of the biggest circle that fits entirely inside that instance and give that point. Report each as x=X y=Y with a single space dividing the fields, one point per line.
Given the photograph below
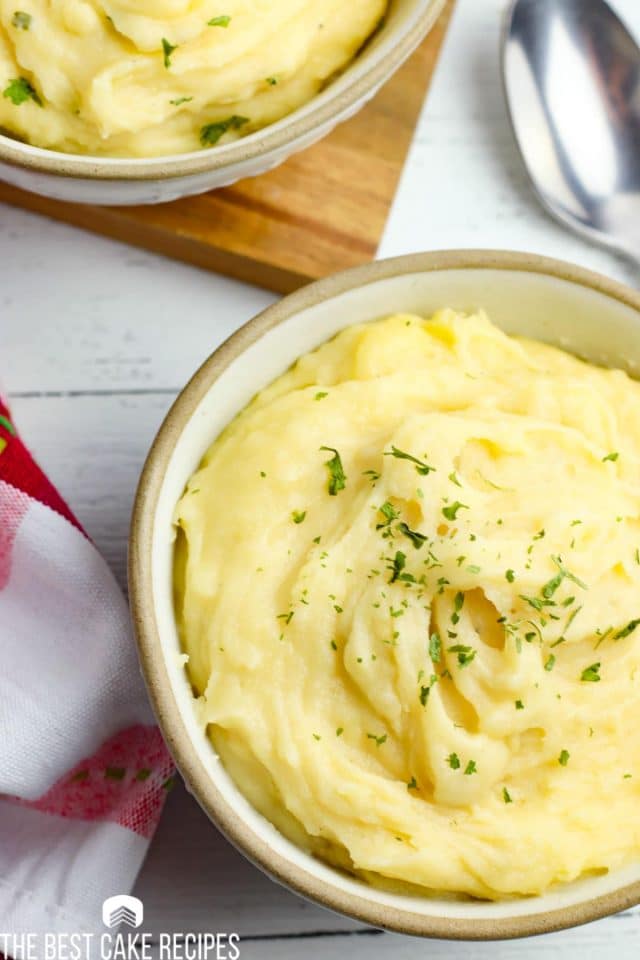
x=609 y=938
x=79 y=312
x=93 y=448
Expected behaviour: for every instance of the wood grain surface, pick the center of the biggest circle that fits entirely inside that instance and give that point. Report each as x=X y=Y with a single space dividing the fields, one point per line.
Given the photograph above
x=323 y=210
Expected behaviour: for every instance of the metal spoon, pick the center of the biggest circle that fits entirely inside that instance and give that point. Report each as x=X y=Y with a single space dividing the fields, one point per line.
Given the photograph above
x=572 y=79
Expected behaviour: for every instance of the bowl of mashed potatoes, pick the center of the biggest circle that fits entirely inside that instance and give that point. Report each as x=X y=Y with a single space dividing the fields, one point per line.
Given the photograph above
x=125 y=102
x=385 y=580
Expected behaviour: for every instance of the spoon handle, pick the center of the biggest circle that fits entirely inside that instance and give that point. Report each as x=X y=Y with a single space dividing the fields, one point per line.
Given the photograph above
x=628 y=245
x=624 y=239
x=632 y=252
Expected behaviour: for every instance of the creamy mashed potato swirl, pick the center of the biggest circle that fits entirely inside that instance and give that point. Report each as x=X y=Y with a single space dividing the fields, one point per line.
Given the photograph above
x=417 y=651
x=135 y=78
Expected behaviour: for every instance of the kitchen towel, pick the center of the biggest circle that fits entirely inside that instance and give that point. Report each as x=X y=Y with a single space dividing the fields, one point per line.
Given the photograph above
x=83 y=768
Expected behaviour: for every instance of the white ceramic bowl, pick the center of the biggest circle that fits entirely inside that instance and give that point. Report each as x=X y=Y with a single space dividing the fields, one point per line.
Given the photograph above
x=533 y=296
x=113 y=181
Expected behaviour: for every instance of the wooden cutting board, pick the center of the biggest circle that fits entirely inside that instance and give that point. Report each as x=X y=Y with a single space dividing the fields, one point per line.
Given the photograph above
x=323 y=210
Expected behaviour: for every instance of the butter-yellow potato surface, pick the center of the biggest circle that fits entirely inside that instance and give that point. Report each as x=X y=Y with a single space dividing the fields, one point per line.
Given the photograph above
x=134 y=78
x=418 y=650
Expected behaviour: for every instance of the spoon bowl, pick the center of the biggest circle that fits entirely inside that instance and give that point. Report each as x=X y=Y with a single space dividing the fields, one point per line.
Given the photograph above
x=572 y=80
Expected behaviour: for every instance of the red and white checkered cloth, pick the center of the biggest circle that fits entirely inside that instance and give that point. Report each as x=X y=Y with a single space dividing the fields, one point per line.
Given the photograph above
x=83 y=768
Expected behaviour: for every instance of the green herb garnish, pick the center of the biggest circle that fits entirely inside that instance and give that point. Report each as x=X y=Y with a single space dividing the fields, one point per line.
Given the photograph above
x=21 y=20
x=421 y=467
x=567 y=573
x=211 y=132
x=167 y=50
x=591 y=674
x=536 y=602
x=378 y=740
x=435 y=647
x=625 y=631
x=389 y=513
x=451 y=510
x=417 y=539
x=458 y=603
x=465 y=654
x=397 y=567
x=552 y=585
x=337 y=476
x=219 y=22
x=19 y=90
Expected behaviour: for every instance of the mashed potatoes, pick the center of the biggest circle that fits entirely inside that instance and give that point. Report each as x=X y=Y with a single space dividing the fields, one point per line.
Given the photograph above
x=408 y=584
x=136 y=78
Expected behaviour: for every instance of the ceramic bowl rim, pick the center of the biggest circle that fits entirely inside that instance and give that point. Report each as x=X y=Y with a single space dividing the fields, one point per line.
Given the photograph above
x=203 y=787
x=311 y=118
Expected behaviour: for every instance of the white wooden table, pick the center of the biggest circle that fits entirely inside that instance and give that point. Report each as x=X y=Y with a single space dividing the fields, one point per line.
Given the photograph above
x=96 y=339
